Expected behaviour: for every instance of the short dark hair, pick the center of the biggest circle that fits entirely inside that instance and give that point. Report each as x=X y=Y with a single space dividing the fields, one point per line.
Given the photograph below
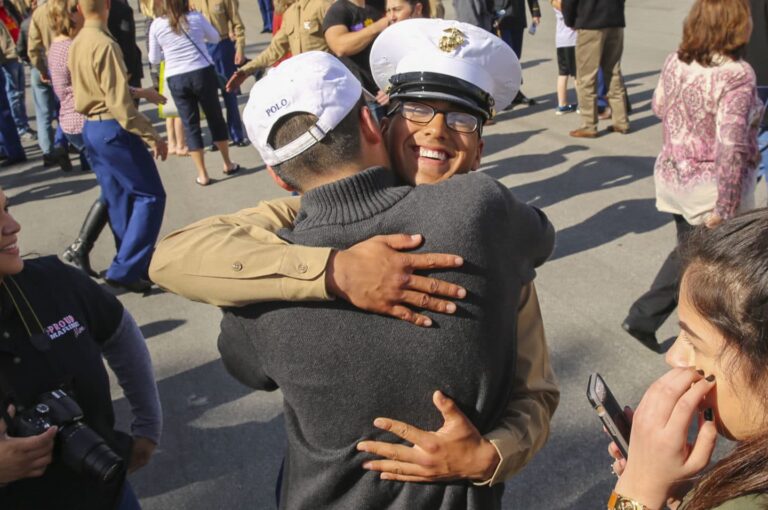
x=341 y=145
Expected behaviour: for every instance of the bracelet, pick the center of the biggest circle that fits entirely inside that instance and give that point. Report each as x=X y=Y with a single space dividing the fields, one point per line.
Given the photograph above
x=619 y=502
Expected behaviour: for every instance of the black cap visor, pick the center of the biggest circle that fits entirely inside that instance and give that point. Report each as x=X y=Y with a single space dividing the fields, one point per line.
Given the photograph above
x=442 y=87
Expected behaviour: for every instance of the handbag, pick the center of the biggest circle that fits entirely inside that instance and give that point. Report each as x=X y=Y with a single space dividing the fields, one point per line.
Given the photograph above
x=219 y=78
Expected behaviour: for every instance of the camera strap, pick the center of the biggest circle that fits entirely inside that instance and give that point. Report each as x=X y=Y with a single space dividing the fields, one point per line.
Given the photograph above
x=34 y=328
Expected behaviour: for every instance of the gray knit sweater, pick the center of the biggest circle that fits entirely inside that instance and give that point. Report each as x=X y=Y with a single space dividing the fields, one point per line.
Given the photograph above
x=339 y=367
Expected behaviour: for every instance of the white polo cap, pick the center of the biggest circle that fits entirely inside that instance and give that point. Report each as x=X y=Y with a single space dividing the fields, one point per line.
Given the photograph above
x=448 y=60
x=315 y=82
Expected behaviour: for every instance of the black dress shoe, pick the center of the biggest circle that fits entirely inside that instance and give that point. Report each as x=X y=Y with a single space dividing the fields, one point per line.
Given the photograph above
x=644 y=337
x=10 y=162
x=521 y=98
x=242 y=143
x=139 y=286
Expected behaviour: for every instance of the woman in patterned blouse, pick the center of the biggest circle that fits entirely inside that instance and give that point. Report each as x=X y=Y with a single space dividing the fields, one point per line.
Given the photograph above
x=707 y=101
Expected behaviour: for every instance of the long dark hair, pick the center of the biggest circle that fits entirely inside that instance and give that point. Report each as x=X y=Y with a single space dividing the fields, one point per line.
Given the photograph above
x=715 y=27
x=177 y=10
x=726 y=277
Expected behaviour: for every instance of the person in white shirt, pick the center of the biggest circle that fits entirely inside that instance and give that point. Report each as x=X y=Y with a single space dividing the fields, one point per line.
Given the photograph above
x=179 y=37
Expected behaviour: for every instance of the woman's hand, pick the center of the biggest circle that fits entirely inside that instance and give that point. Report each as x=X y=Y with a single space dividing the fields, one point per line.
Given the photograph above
x=142 y=451
x=455 y=451
x=712 y=220
x=24 y=457
x=660 y=456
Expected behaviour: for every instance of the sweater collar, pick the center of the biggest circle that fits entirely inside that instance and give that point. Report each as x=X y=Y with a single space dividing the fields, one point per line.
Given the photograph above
x=351 y=199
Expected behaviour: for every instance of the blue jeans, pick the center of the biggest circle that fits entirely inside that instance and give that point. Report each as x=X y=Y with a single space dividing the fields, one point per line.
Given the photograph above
x=76 y=140
x=10 y=145
x=223 y=55
x=602 y=90
x=265 y=6
x=14 y=88
x=46 y=108
x=129 y=501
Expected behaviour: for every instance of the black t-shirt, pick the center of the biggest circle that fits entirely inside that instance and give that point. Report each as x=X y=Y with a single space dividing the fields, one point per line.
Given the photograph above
x=77 y=317
x=344 y=12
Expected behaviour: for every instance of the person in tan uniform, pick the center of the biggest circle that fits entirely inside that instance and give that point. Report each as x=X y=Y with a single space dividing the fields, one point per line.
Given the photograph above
x=224 y=15
x=436 y=8
x=115 y=136
x=51 y=141
x=233 y=260
x=302 y=31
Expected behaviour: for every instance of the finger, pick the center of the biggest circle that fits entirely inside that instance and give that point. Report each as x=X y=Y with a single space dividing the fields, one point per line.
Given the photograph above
x=661 y=398
x=408 y=315
x=413 y=435
x=702 y=450
x=427 y=302
x=448 y=408
x=402 y=241
x=41 y=442
x=405 y=478
x=688 y=405
x=396 y=468
x=434 y=260
x=614 y=451
x=435 y=287
x=394 y=452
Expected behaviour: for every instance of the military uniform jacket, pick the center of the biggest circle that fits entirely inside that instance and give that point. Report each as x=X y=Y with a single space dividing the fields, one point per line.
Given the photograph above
x=301 y=31
x=76 y=317
x=224 y=14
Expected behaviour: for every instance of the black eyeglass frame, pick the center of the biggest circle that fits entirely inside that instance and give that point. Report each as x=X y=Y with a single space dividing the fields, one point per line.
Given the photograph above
x=399 y=107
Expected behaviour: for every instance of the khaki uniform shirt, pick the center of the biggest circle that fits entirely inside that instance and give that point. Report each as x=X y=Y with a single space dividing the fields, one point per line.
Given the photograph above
x=7 y=46
x=238 y=259
x=100 y=82
x=223 y=15
x=40 y=36
x=301 y=31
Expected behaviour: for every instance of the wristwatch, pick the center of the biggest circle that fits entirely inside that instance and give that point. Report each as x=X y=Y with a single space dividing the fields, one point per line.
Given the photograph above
x=619 y=502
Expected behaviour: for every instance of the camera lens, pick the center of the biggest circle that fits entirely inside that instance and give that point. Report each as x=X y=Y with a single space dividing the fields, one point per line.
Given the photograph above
x=85 y=452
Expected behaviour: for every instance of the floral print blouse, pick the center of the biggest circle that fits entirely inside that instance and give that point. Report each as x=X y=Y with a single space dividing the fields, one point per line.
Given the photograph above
x=710 y=121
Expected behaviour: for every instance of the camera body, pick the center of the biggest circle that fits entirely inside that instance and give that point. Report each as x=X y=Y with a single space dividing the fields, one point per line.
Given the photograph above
x=78 y=446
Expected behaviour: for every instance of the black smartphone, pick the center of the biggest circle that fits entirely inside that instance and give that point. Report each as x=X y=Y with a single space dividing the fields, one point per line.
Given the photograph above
x=610 y=412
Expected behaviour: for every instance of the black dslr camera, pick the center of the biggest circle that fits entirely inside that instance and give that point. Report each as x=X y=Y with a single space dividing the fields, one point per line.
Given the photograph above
x=78 y=445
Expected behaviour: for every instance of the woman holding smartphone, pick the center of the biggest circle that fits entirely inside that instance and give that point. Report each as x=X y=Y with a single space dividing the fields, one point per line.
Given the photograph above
x=718 y=375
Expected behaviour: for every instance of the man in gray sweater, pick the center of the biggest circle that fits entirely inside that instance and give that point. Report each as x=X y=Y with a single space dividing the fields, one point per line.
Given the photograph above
x=326 y=145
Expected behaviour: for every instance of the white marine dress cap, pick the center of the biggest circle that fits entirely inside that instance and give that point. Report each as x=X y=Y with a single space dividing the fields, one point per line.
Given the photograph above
x=315 y=82
x=448 y=60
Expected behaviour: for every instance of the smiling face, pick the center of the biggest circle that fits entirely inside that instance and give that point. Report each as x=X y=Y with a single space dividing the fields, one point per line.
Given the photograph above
x=700 y=345
x=10 y=261
x=432 y=152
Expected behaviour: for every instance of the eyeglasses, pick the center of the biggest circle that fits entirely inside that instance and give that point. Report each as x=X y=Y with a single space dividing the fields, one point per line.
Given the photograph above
x=420 y=113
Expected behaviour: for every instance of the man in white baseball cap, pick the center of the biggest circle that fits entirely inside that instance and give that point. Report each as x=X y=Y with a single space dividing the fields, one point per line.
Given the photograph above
x=236 y=259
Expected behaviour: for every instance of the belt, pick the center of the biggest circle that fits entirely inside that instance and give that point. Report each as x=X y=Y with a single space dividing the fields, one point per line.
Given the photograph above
x=101 y=116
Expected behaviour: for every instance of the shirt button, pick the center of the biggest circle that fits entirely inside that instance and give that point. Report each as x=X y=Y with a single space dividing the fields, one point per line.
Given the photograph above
x=237 y=266
x=302 y=268
x=16 y=360
x=6 y=335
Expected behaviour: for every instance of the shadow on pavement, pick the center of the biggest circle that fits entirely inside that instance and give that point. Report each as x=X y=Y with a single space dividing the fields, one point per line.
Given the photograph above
x=529 y=163
x=159 y=327
x=630 y=216
x=593 y=174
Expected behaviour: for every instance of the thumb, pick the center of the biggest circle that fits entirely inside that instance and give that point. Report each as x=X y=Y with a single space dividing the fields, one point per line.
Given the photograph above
x=703 y=447
x=3 y=425
x=402 y=241
x=447 y=408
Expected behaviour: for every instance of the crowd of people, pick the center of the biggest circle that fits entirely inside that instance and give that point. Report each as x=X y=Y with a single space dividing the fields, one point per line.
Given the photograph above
x=373 y=114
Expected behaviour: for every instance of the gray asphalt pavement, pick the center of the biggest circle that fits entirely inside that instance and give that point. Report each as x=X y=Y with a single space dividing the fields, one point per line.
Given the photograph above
x=222 y=444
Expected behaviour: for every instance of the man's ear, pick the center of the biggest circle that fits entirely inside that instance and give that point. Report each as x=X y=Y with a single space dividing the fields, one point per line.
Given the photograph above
x=279 y=181
x=369 y=127
x=478 y=155
x=385 y=123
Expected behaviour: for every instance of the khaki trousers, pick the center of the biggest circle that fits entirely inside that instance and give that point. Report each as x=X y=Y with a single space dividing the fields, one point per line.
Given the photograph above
x=600 y=49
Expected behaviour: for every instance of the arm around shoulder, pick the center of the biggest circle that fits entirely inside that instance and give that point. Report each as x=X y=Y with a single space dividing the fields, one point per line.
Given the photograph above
x=238 y=259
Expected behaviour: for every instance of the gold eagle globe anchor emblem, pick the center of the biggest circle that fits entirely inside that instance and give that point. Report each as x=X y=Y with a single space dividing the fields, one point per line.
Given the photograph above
x=452 y=38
